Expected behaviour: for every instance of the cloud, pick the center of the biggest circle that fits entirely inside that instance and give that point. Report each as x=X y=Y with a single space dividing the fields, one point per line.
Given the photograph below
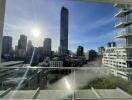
x=95 y=42
x=100 y=23
x=93 y=25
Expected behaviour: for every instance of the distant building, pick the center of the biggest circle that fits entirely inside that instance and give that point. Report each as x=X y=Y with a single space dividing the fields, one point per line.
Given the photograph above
x=7 y=47
x=29 y=51
x=16 y=48
x=35 y=56
x=93 y=55
x=64 y=31
x=22 y=44
x=47 y=47
x=87 y=55
x=15 y=51
x=40 y=53
x=53 y=53
x=29 y=48
x=56 y=63
x=80 y=51
x=101 y=50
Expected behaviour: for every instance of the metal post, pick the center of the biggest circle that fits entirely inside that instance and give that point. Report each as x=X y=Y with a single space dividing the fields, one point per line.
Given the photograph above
x=73 y=96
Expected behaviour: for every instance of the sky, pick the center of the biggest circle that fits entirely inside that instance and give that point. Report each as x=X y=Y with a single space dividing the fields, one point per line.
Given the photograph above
x=90 y=24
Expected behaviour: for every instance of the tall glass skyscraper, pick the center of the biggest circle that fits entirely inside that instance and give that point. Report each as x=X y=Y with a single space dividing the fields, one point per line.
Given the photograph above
x=64 y=31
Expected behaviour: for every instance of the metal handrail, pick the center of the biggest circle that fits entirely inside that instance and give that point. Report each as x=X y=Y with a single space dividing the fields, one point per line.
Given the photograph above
x=72 y=68
x=120 y=10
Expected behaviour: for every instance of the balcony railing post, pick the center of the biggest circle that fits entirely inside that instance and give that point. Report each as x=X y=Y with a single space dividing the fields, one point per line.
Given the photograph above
x=73 y=97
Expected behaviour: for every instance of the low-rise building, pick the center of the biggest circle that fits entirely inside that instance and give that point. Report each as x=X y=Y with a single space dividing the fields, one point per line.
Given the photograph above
x=56 y=63
x=101 y=51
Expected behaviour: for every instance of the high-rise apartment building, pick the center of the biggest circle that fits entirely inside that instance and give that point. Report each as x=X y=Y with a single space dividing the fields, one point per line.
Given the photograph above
x=47 y=47
x=121 y=56
x=22 y=45
x=125 y=21
x=64 y=31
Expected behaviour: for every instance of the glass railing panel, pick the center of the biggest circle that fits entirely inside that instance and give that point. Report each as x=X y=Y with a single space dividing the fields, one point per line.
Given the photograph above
x=67 y=82
x=121 y=21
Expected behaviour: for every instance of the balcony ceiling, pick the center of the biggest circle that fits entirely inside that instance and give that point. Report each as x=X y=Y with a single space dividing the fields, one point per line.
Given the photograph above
x=109 y=1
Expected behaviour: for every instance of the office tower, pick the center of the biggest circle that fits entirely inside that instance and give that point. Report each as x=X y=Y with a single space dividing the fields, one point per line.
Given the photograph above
x=40 y=53
x=80 y=51
x=2 y=15
x=7 y=47
x=64 y=31
x=35 y=60
x=16 y=48
x=29 y=48
x=22 y=44
x=47 y=47
x=29 y=51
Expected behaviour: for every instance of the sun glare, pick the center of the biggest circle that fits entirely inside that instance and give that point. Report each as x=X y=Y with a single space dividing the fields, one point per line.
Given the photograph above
x=35 y=32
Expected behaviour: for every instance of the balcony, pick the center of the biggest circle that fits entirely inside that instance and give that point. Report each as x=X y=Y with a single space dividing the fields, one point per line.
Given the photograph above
x=129 y=21
x=123 y=34
x=119 y=5
x=124 y=46
x=128 y=46
x=121 y=23
x=129 y=58
x=50 y=83
x=121 y=13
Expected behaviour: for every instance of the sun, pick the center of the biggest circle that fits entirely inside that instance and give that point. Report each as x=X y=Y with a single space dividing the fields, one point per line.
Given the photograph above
x=35 y=32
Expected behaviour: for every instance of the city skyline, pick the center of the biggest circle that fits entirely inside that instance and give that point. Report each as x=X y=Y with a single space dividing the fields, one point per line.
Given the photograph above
x=55 y=42
x=95 y=31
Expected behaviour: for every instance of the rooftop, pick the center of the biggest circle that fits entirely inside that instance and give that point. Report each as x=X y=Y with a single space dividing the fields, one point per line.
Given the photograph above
x=11 y=63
